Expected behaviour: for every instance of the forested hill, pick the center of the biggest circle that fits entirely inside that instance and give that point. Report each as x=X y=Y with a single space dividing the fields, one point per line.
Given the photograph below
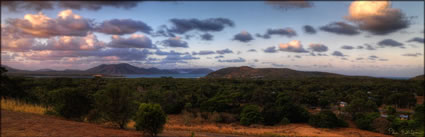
x=420 y=77
x=245 y=72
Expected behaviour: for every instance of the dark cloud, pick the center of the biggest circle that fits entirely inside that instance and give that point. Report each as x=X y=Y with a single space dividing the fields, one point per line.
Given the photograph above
x=369 y=47
x=39 y=25
x=219 y=56
x=359 y=47
x=181 y=26
x=417 y=39
x=135 y=41
x=338 y=53
x=252 y=50
x=309 y=29
x=172 y=52
x=318 y=54
x=385 y=20
x=207 y=37
x=340 y=28
x=383 y=59
x=288 y=32
x=224 y=51
x=412 y=54
x=373 y=57
x=318 y=47
x=286 y=5
x=18 y=6
x=390 y=43
x=203 y=52
x=347 y=47
x=271 y=49
x=123 y=26
x=243 y=37
x=175 y=42
x=233 y=60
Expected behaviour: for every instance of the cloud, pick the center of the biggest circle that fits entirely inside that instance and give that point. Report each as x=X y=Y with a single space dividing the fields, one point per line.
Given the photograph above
x=318 y=47
x=243 y=37
x=207 y=37
x=338 y=53
x=390 y=43
x=377 y=17
x=39 y=25
x=18 y=6
x=89 y=42
x=292 y=46
x=224 y=51
x=286 y=5
x=417 y=39
x=123 y=26
x=233 y=60
x=203 y=52
x=11 y=40
x=412 y=54
x=181 y=26
x=175 y=42
x=271 y=49
x=178 y=59
x=369 y=47
x=219 y=56
x=288 y=32
x=340 y=28
x=373 y=57
x=252 y=50
x=172 y=52
x=347 y=47
x=309 y=29
x=134 y=41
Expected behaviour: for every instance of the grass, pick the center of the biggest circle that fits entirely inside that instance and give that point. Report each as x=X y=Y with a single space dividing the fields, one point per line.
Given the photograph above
x=21 y=106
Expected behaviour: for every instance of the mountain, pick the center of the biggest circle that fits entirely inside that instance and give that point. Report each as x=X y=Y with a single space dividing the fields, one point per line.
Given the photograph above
x=10 y=69
x=246 y=72
x=420 y=77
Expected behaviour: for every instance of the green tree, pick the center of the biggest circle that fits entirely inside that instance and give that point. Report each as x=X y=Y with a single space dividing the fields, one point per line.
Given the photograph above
x=116 y=103
x=326 y=119
x=71 y=103
x=251 y=115
x=150 y=118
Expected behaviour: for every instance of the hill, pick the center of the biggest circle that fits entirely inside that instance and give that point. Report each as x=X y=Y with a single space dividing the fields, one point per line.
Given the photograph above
x=420 y=77
x=245 y=72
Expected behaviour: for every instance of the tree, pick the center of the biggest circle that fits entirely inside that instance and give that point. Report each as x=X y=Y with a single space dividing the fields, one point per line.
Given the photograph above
x=326 y=119
x=71 y=102
x=150 y=118
x=116 y=103
x=251 y=115
x=359 y=105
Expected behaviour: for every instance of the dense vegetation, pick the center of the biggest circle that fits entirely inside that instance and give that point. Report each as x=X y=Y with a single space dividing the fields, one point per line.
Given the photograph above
x=267 y=102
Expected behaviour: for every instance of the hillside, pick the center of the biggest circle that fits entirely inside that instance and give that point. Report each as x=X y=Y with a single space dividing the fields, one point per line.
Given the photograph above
x=245 y=72
x=420 y=77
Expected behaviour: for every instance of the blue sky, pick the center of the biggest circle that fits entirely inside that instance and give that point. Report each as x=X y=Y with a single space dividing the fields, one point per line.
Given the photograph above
x=400 y=56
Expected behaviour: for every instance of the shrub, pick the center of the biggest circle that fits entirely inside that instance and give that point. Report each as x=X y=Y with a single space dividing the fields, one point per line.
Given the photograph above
x=364 y=120
x=251 y=115
x=150 y=118
x=326 y=119
x=71 y=103
x=272 y=115
x=116 y=103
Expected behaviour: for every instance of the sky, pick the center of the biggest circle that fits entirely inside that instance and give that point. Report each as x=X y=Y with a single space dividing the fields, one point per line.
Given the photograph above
x=368 y=38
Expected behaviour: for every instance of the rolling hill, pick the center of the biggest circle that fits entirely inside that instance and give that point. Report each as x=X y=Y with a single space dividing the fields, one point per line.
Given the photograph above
x=245 y=72
x=420 y=77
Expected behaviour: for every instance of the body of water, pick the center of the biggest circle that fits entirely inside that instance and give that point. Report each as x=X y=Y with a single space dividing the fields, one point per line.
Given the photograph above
x=164 y=75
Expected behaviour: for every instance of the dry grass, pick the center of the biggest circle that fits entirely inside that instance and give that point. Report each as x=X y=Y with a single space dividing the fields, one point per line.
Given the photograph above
x=21 y=106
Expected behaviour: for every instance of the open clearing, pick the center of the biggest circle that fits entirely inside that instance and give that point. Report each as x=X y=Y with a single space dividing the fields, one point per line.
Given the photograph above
x=26 y=124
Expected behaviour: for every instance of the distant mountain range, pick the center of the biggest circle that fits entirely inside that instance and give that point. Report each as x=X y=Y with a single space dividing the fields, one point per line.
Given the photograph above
x=245 y=72
x=110 y=69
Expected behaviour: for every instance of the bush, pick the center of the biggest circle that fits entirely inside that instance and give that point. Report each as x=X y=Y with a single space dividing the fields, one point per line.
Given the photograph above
x=71 y=103
x=326 y=119
x=251 y=115
x=272 y=115
x=150 y=118
x=116 y=103
x=365 y=120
